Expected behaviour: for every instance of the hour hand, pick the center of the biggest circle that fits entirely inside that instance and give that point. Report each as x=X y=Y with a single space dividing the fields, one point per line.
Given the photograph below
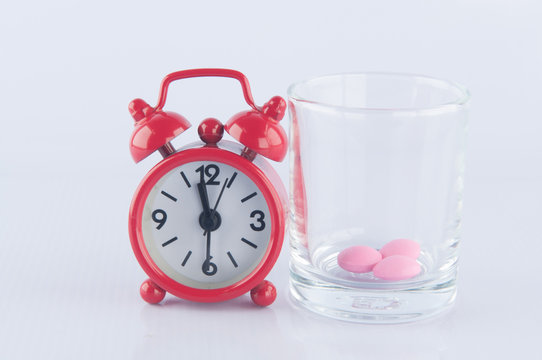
x=202 y=190
x=216 y=204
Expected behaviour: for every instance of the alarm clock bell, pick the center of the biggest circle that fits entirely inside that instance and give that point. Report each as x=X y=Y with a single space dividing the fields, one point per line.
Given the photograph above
x=154 y=129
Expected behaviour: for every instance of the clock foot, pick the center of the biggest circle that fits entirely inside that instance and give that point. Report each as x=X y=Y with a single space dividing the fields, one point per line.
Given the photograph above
x=264 y=294
x=151 y=293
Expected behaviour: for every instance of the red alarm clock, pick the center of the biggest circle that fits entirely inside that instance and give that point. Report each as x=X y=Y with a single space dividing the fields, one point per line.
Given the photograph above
x=207 y=222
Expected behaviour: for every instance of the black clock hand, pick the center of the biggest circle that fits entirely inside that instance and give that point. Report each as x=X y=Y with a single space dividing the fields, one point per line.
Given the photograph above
x=208 y=267
x=202 y=190
x=217 y=201
x=220 y=195
x=208 y=251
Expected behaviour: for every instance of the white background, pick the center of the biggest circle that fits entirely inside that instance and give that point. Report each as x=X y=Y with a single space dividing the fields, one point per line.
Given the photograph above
x=69 y=281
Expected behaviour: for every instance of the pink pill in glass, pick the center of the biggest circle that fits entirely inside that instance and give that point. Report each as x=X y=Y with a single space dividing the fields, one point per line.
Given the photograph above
x=403 y=247
x=396 y=267
x=358 y=259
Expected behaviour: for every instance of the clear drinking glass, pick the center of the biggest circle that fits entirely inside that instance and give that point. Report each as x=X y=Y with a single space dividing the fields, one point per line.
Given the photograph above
x=375 y=157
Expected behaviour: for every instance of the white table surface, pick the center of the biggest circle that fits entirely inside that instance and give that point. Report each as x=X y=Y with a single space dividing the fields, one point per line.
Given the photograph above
x=68 y=70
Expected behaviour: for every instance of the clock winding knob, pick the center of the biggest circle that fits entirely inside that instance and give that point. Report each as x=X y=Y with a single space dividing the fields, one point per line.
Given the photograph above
x=210 y=131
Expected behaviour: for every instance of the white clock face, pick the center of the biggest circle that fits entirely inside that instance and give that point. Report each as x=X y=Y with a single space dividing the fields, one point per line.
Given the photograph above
x=176 y=224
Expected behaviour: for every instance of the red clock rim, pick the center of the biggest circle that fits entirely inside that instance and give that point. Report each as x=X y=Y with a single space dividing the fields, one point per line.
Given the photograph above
x=262 y=182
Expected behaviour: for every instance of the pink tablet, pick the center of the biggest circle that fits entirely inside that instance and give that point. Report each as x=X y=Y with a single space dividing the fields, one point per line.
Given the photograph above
x=396 y=267
x=403 y=247
x=358 y=259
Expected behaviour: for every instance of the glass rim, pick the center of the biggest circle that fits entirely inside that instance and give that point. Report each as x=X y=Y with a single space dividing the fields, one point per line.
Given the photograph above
x=459 y=102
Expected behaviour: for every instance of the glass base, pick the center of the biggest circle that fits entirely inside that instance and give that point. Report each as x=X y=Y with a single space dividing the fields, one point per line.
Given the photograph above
x=369 y=305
